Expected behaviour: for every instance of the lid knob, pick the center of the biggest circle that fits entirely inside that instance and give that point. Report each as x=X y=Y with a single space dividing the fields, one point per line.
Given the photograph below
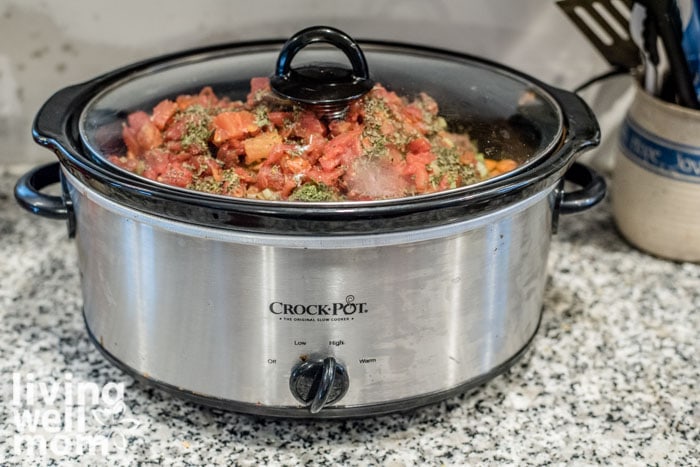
x=326 y=88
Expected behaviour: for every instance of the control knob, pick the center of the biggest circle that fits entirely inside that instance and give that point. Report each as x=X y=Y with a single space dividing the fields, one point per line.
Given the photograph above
x=317 y=383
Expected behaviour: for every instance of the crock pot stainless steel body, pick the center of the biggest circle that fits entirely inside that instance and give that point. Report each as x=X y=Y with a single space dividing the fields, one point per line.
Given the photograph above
x=308 y=310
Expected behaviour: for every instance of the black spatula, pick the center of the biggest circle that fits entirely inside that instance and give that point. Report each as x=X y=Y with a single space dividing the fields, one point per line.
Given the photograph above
x=606 y=27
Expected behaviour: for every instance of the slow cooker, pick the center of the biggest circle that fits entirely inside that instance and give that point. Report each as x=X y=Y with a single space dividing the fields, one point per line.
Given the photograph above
x=316 y=309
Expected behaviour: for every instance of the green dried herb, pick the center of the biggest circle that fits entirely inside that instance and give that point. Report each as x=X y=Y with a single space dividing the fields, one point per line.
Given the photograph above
x=448 y=165
x=313 y=192
x=197 y=127
x=261 y=118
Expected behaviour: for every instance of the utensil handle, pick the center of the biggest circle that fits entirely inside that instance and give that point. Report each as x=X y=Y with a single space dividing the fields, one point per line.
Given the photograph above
x=592 y=191
x=667 y=18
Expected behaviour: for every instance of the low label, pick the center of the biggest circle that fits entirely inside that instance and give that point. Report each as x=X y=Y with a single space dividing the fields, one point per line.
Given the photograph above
x=659 y=155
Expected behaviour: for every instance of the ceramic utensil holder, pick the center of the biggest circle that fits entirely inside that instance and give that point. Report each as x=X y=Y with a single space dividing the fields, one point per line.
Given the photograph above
x=655 y=189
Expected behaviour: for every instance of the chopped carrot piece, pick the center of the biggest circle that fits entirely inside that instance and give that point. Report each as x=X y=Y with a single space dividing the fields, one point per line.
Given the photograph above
x=506 y=165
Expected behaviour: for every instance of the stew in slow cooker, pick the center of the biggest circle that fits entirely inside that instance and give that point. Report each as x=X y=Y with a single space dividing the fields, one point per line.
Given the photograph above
x=269 y=148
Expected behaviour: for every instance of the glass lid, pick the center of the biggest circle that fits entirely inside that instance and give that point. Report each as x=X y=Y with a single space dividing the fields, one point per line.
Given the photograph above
x=337 y=121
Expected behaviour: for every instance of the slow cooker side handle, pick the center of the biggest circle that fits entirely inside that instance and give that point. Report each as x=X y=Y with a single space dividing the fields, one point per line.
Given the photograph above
x=52 y=122
x=592 y=189
x=582 y=128
x=29 y=196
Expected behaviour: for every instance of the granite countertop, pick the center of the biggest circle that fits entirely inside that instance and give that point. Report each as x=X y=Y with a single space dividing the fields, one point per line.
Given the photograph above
x=612 y=376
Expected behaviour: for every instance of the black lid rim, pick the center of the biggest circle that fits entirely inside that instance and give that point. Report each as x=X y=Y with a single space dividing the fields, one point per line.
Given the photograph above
x=333 y=217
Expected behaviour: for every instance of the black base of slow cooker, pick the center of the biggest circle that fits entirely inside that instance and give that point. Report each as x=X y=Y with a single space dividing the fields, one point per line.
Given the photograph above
x=299 y=412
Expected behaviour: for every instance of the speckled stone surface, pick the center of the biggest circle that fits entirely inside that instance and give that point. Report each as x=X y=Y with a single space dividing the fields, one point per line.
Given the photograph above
x=612 y=377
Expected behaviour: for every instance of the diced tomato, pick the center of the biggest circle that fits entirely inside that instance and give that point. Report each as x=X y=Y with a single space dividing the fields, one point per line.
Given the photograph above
x=133 y=149
x=296 y=165
x=245 y=175
x=308 y=126
x=149 y=136
x=419 y=145
x=390 y=97
x=289 y=185
x=422 y=158
x=413 y=113
x=157 y=162
x=140 y=134
x=270 y=177
x=388 y=128
x=444 y=183
x=176 y=175
x=416 y=168
x=238 y=191
x=257 y=85
x=329 y=163
x=343 y=149
x=278 y=118
x=163 y=112
x=467 y=158
x=338 y=127
x=130 y=164
x=234 y=125
x=277 y=154
x=229 y=153
x=179 y=156
x=421 y=179
x=137 y=119
x=184 y=101
x=356 y=111
x=207 y=98
x=175 y=131
x=327 y=177
x=429 y=103
x=260 y=147
x=394 y=155
x=314 y=149
x=208 y=167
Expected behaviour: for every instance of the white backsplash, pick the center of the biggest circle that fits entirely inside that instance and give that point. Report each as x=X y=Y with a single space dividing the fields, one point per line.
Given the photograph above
x=46 y=45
